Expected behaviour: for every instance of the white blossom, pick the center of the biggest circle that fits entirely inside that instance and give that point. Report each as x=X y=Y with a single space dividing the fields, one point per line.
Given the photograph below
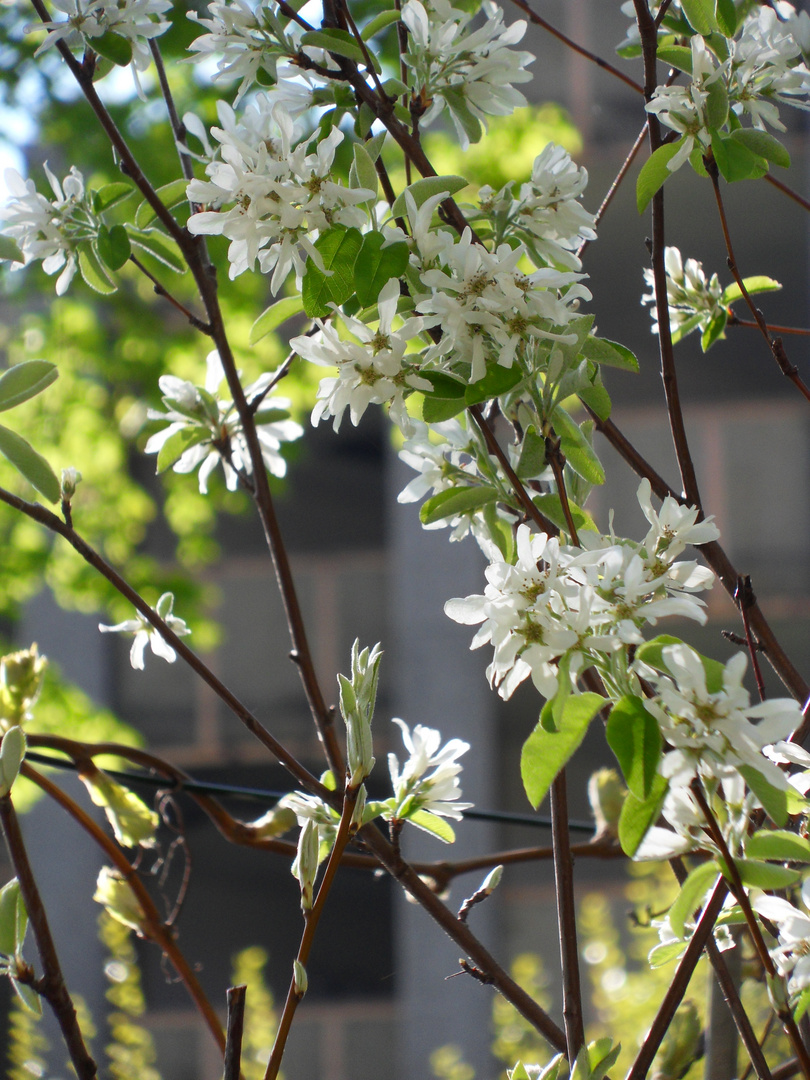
x=694 y=301
x=145 y=633
x=215 y=430
x=428 y=780
x=683 y=108
x=373 y=366
x=792 y=955
x=765 y=68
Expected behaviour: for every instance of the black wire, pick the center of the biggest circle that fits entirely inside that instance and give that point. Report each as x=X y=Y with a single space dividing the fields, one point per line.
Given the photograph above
x=265 y=795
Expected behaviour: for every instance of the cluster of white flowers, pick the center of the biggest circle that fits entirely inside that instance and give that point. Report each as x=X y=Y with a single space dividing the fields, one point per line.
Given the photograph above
x=247 y=39
x=268 y=195
x=372 y=364
x=146 y=634
x=764 y=67
x=562 y=608
x=712 y=732
x=693 y=299
x=49 y=229
x=792 y=954
x=429 y=778
x=210 y=431
x=471 y=72
x=547 y=215
x=138 y=21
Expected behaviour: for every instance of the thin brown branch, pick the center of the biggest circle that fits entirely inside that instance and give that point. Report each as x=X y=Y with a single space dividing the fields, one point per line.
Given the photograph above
x=791 y=194
x=789 y=370
x=603 y=64
x=161 y=290
x=235 y=996
x=50 y=521
x=772 y=328
x=152 y=927
x=616 y=184
x=745 y=599
x=52 y=985
x=566 y=917
x=178 y=127
x=556 y=460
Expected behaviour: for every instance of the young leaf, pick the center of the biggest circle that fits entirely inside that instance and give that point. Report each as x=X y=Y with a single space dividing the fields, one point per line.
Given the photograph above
x=24 y=381
x=379 y=23
x=364 y=168
x=93 y=273
x=159 y=247
x=756 y=284
x=28 y=996
x=691 y=896
x=546 y=752
x=177 y=444
x=339 y=248
x=763 y=875
x=774 y=800
x=13 y=919
x=652 y=653
x=716 y=104
x=778 y=844
x=113 y=246
x=9 y=251
x=633 y=736
x=726 y=13
x=12 y=752
x=654 y=172
x=638 y=815
x=762 y=145
x=274 y=316
x=596 y=398
x=32 y=465
x=110 y=195
x=714 y=331
x=532 y=460
x=700 y=14
x=113 y=47
x=677 y=56
x=579 y=453
x=340 y=43
x=456 y=501
x=551 y=507
x=498 y=380
x=171 y=195
x=376 y=265
x=424 y=189
x=735 y=161
x=602 y=351
x=436 y=826
x=663 y=954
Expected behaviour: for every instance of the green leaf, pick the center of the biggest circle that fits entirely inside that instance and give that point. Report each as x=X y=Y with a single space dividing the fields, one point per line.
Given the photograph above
x=273 y=316
x=664 y=954
x=436 y=826
x=177 y=444
x=93 y=272
x=171 y=195
x=726 y=13
x=638 y=815
x=498 y=380
x=579 y=453
x=160 y=247
x=110 y=195
x=32 y=465
x=437 y=409
x=756 y=284
x=133 y=823
x=340 y=43
x=113 y=246
x=457 y=104
x=691 y=896
x=774 y=800
x=28 y=996
x=602 y=351
x=532 y=460
x=500 y=532
x=551 y=507
x=376 y=265
x=455 y=501
x=113 y=47
x=444 y=386
x=364 y=169
x=633 y=736
x=597 y=398
x=24 y=381
x=652 y=653
x=764 y=875
x=700 y=14
x=716 y=104
x=714 y=331
x=424 y=189
x=12 y=752
x=763 y=145
x=339 y=248
x=13 y=919
x=379 y=23
x=546 y=752
x=778 y=844
x=735 y=161
x=677 y=56
x=9 y=251
x=654 y=172
x=602 y=1055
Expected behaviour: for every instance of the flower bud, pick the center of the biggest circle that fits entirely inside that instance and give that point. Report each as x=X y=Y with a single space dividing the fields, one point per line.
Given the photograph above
x=133 y=823
x=305 y=864
x=278 y=820
x=300 y=981
x=71 y=478
x=606 y=794
x=117 y=896
x=21 y=675
x=682 y=1046
x=12 y=752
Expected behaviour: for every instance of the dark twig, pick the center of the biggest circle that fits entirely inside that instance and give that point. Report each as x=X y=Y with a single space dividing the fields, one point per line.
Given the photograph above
x=178 y=127
x=556 y=460
x=617 y=182
x=52 y=984
x=789 y=370
x=233 y=1038
x=161 y=290
x=773 y=328
x=566 y=917
x=791 y=194
x=745 y=599
x=603 y=64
